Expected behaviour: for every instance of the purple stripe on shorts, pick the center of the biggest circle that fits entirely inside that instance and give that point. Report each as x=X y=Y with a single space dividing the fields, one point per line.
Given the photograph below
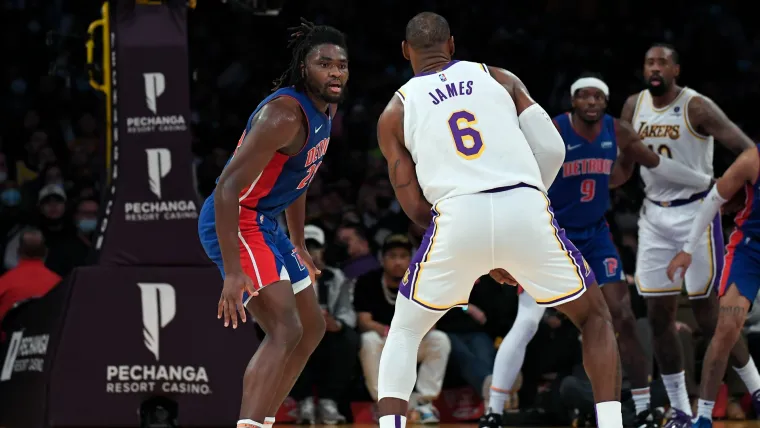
x=581 y=268
x=397 y=421
x=405 y=288
x=718 y=250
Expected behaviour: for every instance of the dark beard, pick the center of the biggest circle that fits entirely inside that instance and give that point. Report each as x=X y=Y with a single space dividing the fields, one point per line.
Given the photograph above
x=657 y=91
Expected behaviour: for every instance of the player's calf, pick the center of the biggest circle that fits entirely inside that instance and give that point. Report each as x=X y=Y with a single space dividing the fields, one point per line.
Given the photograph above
x=275 y=311
x=600 y=353
x=632 y=353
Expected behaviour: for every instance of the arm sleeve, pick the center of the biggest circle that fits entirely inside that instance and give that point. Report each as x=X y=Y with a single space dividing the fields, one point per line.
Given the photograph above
x=544 y=140
x=707 y=212
x=678 y=173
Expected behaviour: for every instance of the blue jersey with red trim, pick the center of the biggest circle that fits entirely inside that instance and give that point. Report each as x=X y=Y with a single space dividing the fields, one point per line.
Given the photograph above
x=748 y=219
x=579 y=194
x=285 y=178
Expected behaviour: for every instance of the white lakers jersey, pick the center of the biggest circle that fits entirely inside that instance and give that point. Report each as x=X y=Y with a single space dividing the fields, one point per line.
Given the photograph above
x=461 y=128
x=668 y=132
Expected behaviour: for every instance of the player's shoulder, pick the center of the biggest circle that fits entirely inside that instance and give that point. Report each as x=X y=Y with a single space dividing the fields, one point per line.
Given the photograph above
x=285 y=108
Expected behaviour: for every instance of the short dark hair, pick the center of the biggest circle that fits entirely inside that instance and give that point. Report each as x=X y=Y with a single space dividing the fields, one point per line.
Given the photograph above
x=426 y=30
x=32 y=244
x=305 y=37
x=671 y=48
x=591 y=74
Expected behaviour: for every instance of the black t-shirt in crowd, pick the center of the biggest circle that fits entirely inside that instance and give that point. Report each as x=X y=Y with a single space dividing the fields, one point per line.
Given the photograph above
x=369 y=297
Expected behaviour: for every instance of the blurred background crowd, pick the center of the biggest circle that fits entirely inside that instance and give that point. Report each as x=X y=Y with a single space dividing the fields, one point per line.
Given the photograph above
x=51 y=158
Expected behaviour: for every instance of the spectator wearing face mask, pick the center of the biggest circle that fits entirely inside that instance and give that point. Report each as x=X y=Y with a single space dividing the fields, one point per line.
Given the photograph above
x=30 y=278
x=86 y=221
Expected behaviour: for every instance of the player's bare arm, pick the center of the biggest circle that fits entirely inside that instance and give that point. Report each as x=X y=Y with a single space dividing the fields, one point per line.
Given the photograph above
x=629 y=108
x=278 y=125
x=295 y=216
x=514 y=86
x=634 y=150
x=537 y=127
x=706 y=117
x=401 y=170
x=745 y=169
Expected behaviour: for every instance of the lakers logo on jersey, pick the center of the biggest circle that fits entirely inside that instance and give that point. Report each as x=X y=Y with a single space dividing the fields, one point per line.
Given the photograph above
x=585 y=265
x=405 y=280
x=659 y=131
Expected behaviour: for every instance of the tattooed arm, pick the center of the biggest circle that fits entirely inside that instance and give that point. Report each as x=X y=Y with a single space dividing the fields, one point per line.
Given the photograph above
x=401 y=168
x=706 y=117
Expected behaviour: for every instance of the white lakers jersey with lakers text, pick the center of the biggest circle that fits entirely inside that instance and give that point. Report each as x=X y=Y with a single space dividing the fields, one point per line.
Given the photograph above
x=461 y=128
x=669 y=133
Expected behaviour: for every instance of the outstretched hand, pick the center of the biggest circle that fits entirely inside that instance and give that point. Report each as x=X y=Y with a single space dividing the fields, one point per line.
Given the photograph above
x=307 y=261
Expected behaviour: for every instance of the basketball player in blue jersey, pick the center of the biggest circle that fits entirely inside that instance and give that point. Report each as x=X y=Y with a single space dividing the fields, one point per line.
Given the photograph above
x=275 y=160
x=740 y=279
x=580 y=198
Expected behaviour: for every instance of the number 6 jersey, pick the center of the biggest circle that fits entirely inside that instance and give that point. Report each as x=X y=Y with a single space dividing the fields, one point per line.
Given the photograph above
x=461 y=128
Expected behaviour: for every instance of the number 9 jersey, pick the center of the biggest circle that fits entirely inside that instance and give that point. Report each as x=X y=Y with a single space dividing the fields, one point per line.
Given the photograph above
x=462 y=130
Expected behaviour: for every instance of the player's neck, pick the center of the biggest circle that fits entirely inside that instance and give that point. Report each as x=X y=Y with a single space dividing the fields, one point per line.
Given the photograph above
x=585 y=129
x=665 y=99
x=431 y=62
x=318 y=102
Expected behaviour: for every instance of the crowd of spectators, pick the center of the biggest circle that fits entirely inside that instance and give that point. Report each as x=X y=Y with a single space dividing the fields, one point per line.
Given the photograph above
x=51 y=151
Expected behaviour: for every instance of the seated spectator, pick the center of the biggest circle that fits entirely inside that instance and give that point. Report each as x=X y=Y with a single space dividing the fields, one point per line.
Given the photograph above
x=374 y=299
x=30 y=278
x=360 y=257
x=331 y=367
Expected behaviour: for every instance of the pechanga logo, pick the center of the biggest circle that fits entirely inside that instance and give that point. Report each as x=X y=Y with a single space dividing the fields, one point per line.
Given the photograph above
x=159 y=307
x=25 y=354
x=155 y=85
x=159 y=166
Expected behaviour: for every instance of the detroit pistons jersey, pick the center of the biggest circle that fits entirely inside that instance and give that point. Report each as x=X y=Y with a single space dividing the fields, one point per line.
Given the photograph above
x=669 y=133
x=748 y=219
x=461 y=128
x=285 y=177
x=580 y=194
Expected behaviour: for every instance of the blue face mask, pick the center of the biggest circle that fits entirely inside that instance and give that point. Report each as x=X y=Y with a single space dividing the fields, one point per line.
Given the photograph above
x=10 y=197
x=87 y=225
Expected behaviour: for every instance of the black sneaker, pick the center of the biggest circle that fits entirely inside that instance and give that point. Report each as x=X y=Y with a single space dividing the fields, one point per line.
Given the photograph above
x=490 y=420
x=645 y=419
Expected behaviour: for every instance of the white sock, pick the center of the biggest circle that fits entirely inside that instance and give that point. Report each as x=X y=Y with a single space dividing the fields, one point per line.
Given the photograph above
x=675 y=385
x=249 y=423
x=268 y=422
x=750 y=376
x=609 y=415
x=641 y=399
x=497 y=400
x=705 y=409
x=392 y=421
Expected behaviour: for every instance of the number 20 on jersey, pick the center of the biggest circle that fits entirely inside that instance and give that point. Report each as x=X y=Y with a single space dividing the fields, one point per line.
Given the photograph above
x=467 y=140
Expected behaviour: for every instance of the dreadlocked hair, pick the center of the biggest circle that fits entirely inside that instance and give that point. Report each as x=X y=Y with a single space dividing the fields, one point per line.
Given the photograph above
x=302 y=40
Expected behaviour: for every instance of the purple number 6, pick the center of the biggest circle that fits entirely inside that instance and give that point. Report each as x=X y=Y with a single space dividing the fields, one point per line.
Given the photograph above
x=467 y=140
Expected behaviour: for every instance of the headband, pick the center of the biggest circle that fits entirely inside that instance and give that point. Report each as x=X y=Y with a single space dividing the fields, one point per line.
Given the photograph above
x=590 y=82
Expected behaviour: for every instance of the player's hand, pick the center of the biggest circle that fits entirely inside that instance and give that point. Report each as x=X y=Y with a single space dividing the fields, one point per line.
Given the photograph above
x=309 y=263
x=231 y=302
x=679 y=264
x=502 y=277
x=331 y=324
